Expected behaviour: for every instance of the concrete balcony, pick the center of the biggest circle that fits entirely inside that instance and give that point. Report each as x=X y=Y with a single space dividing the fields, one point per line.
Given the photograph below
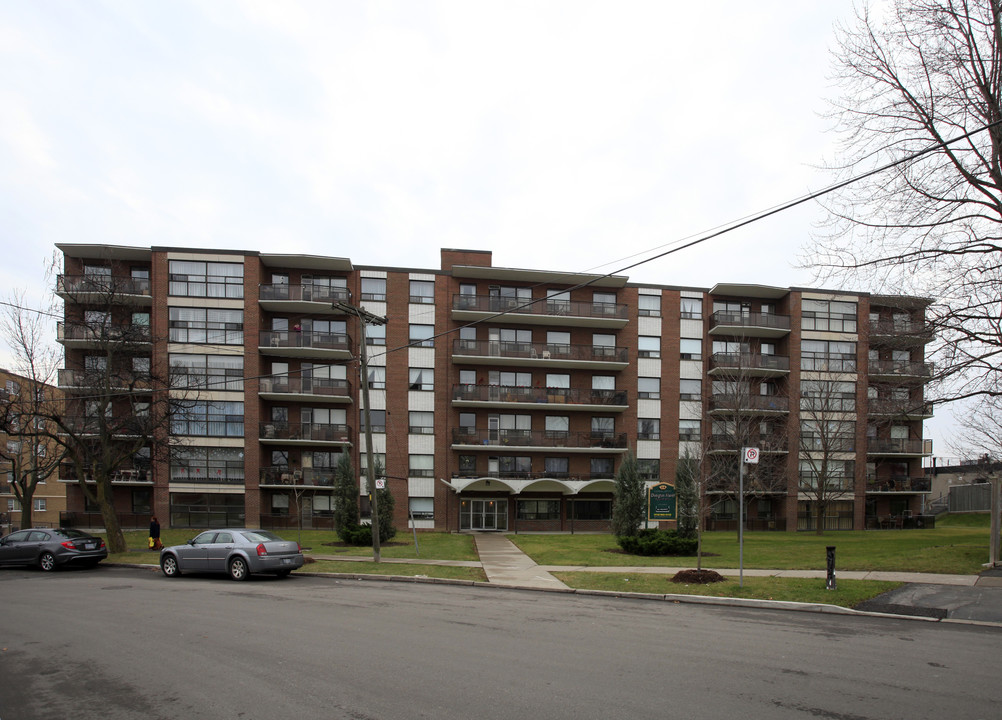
x=119 y=382
x=720 y=444
x=280 y=475
x=541 y=440
x=764 y=325
x=900 y=408
x=104 y=289
x=733 y=403
x=291 y=343
x=302 y=298
x=522 y=354
x=748 y=365
x=313 y=390
x=569 y=399
x=900 y=333
x=897 y=484
x=538 y=311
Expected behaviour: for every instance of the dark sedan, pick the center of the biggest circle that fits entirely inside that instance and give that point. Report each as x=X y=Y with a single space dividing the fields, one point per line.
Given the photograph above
x=237 y=552
x=49 y=548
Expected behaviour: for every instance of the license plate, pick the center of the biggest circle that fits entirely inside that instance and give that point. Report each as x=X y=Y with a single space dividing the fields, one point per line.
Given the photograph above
x=89 y=546
x=286 y=561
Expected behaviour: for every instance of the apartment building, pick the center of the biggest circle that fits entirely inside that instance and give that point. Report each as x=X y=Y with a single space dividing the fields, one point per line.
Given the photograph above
x=501 y=398
x=24 y=449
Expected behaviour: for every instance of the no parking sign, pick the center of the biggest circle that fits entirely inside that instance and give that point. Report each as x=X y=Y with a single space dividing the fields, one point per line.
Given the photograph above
x=751 y=455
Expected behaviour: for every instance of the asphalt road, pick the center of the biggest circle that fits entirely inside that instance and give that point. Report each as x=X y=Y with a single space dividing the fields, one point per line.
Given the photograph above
x=125 y=643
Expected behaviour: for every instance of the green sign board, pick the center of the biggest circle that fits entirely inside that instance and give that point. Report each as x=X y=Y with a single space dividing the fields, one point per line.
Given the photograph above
x=661 y=502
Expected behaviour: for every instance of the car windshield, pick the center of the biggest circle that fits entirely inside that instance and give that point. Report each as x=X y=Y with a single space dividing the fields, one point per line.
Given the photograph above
x=260 y=536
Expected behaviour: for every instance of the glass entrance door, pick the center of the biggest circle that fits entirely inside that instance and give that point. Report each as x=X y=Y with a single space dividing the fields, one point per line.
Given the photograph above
x=483 y=514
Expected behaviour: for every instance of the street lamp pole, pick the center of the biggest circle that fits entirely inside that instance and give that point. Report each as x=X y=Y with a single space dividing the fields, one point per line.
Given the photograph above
x=366 y=318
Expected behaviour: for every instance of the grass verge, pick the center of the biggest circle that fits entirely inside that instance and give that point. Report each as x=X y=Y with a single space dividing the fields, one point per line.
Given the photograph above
x=401 y=569
x=848 y=594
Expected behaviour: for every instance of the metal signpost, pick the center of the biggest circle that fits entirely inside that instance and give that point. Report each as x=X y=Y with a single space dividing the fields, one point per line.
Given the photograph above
x=748 y=455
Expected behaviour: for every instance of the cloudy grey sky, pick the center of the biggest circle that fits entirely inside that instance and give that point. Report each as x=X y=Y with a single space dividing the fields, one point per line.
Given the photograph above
x=575 y=135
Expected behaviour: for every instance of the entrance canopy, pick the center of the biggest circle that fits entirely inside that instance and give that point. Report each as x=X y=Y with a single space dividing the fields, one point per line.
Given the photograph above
x=518 y=486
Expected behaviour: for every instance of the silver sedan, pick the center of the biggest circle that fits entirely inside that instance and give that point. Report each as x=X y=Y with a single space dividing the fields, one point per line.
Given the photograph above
x=238 y=552
x=51 y=547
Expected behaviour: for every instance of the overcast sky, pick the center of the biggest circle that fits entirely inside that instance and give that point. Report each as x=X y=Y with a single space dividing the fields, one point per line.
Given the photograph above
x=560 y=135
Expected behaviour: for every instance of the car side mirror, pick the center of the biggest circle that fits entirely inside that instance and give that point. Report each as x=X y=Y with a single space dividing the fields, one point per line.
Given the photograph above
x=192 y=541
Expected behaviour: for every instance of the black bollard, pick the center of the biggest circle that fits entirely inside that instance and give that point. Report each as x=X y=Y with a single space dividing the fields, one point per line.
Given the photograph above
x=830 y=582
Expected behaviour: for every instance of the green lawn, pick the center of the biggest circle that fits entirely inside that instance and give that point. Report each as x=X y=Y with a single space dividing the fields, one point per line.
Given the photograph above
x=952 y=547
x=404 y=569
x=849 y=593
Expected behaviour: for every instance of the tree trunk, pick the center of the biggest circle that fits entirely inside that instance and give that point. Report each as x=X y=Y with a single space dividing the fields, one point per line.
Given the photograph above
x=112 y=528
x=820 y=521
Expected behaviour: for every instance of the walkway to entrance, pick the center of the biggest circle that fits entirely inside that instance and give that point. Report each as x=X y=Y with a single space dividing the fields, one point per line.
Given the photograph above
x=505 y=564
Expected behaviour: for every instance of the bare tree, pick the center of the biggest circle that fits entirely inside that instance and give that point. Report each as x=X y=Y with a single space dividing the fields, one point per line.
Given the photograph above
x=30 y=452
x=827 y=442
x=923 y=78
x=979 y=430
x=120 y=400
x=747 y=409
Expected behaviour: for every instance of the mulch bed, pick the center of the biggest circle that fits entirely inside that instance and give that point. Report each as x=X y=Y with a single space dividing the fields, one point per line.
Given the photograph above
x=697 y=577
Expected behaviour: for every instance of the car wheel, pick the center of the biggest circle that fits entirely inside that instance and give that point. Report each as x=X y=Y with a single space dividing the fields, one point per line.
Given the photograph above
x=47 y=561
x=238 y=569
x=169 y=566
x=283 y=573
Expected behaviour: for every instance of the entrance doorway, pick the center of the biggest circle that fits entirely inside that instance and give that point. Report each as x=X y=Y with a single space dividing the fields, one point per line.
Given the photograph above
x=483 y=514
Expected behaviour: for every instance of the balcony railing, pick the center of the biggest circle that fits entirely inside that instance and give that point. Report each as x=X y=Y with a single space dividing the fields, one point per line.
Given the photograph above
x=503 y=393
x=125 y=380
x=732 y=402
x=541 y=306
x=539 y=351
x=532 y=475
x=305 y=432
x=839 y=483
x=284 y=475
x=106 y=285
x=897 y=483
x=320 y=387
x=102 y=333
x=749 y=320
x=306 y=292
x=727 y=443
x=901 y=328
x=538 y=438
x=124 y=425
x=898 y=446
x=901 y=368
x=131 y=474
x=312 y=340
x=890 y=406
x=747 y=362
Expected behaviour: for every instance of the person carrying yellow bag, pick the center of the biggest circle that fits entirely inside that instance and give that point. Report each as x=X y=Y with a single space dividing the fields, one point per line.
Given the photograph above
x=155 y=543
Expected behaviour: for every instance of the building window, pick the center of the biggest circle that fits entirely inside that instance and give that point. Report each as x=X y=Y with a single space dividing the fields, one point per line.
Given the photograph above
x=602 y=428
x=207 y=372
x=688 y=430
x=189 y=278
x=375 y=334
x=209 y=419
x=420 y=423
x=690 y=389
x=692 y=308
x=514 y=465
x=141 y=502
x=649 y=346
x=374 y=289
x=467 y=422
x=649 y=388
x=691 y=349
x=467 y=464
x=206 y=325
x=827 y=356
x=422 y=291
x=649 y=305
x=421 y=379
x=556 y=467
x=591 y=509
x=602 y=468
x=421 y=466
x=378 y=418
x=648 y=429
x=422 y=335
x=828 y=316
x=377 y=377
x=538 y=510
x=422 y=508
x=648 y=468
x=39 y=504
x=557 y=426
x=208 y=465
